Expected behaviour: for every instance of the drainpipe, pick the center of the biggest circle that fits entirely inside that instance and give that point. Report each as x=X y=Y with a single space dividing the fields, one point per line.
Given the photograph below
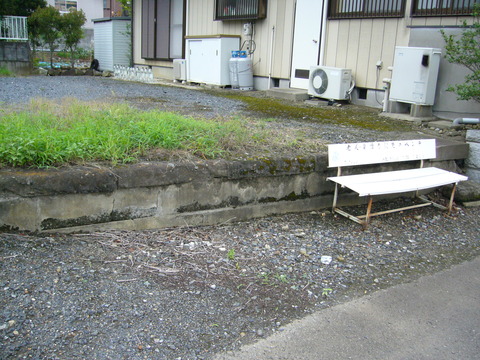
x=324 y=33
x=271 y=59
x=459 y=121
x=187 y=28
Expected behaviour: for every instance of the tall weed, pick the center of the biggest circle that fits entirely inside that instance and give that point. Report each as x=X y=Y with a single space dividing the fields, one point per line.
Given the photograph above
x=49 y=134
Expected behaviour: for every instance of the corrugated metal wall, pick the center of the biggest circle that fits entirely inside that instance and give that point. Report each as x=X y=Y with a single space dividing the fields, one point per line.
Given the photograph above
x=352 y=43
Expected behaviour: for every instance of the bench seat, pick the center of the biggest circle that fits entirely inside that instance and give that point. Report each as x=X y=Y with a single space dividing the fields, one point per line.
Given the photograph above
x=388 y=182
x=392 y=182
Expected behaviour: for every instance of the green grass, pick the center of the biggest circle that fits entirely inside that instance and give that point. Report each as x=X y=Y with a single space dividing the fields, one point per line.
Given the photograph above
x=5 y=72
x=47 y=134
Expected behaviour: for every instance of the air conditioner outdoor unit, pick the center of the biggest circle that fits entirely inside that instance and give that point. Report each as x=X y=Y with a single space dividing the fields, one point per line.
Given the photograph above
x=329 y=82
x=179 y=70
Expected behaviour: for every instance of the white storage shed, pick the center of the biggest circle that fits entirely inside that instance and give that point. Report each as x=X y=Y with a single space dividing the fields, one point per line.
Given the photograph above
x=112 y=42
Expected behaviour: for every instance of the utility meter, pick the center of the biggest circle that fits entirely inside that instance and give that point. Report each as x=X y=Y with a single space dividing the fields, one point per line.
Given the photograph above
x=247 y=29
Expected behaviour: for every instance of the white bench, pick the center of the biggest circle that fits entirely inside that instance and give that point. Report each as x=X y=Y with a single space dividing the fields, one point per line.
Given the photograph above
x=388 y=182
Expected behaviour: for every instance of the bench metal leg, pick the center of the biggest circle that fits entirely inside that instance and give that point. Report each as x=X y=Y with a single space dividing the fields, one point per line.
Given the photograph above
x=450 y=204
x=335 y=197
x=369 y=210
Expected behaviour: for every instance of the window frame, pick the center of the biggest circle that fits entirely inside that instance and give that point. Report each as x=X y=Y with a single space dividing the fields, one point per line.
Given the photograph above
x=260 y=12
x=434 y=10
x=59 y=3
x=382 y=9
x=156 y=30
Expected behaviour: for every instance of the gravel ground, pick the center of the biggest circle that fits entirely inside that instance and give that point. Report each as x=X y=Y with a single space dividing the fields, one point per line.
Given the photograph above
x=192 y=292
x=189 y=293
x=88 y=88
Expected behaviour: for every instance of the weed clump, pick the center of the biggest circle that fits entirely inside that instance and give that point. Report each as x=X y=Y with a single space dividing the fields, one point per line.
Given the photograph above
x=48 y=134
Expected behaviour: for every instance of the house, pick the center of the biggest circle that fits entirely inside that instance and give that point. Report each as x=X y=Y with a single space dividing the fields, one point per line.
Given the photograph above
x=284 y=38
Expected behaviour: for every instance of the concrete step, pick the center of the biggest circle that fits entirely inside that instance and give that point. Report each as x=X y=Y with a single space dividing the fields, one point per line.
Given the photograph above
x=288 y=94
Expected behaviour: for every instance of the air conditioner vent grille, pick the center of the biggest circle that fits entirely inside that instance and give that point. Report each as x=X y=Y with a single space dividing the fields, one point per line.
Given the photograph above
x=329 y=82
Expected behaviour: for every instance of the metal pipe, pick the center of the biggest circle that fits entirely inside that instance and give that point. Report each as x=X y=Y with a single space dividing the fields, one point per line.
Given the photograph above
x=323 y=35
x=459 y=121
x=271 y=59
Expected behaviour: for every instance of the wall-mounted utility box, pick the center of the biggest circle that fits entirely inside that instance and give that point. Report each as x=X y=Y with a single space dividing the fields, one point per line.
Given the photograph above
x=179 y=69
x=208 y=56
x=415 y=73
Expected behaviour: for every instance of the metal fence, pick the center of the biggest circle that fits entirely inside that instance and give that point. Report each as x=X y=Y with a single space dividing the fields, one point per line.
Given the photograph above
x=13 y=28
x=355 y=9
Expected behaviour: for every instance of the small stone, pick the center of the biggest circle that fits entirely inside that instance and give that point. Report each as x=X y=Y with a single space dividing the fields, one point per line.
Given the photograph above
x=11 y=323
x=340 y=258
x=16 y=333
x=260 y=332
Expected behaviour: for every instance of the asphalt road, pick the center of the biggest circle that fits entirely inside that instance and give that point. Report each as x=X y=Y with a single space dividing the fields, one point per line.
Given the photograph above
x=436 y=317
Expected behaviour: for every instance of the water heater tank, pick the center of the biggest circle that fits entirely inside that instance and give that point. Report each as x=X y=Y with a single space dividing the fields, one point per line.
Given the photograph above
x=415 y=73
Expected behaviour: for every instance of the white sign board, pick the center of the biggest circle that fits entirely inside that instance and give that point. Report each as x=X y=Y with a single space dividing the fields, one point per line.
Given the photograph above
x=380 y=152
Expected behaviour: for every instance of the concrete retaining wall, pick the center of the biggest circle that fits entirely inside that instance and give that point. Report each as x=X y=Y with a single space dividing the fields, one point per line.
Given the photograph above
x=16 y=57
x=154 y=195
x=472 y=163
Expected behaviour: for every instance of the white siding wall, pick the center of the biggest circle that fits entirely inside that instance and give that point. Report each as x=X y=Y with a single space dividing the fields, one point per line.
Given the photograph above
x=121 y=42
x=93 y=9
x=103 y=45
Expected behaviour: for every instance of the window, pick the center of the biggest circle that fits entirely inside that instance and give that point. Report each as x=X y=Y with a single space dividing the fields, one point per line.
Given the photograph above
x=240 y=9
x=162 y=29
x=442 y=7
x=65 y=5
x=355 y=9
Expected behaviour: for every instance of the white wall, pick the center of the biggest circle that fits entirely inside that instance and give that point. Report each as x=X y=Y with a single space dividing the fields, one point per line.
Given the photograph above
x=93 y=9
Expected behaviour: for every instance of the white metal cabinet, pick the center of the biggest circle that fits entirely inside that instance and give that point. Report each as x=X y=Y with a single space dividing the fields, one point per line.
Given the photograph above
x=208 y=57
x=415 y=72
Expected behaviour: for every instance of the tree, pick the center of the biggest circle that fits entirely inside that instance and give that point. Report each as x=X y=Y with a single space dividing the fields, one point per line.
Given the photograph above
x=71 y=28
x=47 y=23
x=126 y=5
x=20 y=7
x=465 y=51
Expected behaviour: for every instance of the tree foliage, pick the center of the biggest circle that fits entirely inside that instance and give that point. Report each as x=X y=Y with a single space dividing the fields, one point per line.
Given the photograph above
x=45 y=24
x=20 y=7
x=465 y=51
x=71 y=28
